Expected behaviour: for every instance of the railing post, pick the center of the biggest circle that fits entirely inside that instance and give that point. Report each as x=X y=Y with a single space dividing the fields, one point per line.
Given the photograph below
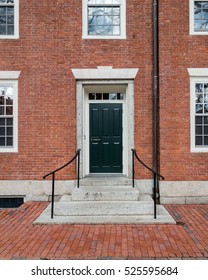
x=133 y=171
x=155 y=196
x=78 y=168
x=52 y=198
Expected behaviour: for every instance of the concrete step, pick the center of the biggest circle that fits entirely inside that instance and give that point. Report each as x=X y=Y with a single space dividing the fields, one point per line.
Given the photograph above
x=105 y=193
x=107 y=200
x=163 y=217
x=103 y=208
x=106 y=180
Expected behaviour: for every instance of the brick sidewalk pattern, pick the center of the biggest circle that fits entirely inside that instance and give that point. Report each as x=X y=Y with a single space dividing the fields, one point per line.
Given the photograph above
x=21 y=239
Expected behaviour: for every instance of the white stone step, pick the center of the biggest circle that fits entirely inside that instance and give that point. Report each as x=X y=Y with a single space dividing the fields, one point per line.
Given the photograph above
x=103 y=208
x=105 y=193
x=106 y=180
x=163 y=217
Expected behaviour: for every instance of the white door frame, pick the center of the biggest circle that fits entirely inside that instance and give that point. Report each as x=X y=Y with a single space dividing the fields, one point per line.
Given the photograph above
x=102 y=78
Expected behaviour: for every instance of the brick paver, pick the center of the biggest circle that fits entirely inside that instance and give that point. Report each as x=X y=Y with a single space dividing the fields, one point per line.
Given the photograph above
x=21 y=239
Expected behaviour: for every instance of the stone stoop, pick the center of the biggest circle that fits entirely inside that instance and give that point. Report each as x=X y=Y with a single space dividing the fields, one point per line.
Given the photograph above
x=102 y=203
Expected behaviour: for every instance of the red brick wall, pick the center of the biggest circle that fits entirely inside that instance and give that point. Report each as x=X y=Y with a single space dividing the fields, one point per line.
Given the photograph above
x=51 y=44
x=178 y=51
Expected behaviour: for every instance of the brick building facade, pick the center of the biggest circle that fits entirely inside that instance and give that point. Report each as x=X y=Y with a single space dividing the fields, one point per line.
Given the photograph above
x=60 y=58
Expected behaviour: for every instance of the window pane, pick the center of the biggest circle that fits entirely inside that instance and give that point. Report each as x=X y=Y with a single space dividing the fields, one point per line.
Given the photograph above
x=98 y=96
x=2 y=10
x=112 y=96
x=1 y=100
x=9 y=101
x=198 y=140
x=9 y=141
x=105 y=96
x=205 y=88
x=199 y=109
x=120 y=96
x=199 y=87
x=198 y=120
x=9 y=131
x=204 y=24
x=197 y=14
x=10 y=10
x=116 y=30
x=199 y=130
x=2 y=29
x=1 y=110
x=206 y=108
x=2 y=19
x=199 y=98
x=206 y=130
x=108 y=20
x=91 y=96
x=10 y=30
x=10 y=19
x=2 y=141
x=99 y=11
x=205 y=140
x=116 y=20
x=2 y=131
x=9 y=110
x=205 y=120
x=2 y=121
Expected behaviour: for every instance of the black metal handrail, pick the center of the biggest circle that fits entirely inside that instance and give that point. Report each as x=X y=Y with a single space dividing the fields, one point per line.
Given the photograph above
x=53 y=177
x=156 y=175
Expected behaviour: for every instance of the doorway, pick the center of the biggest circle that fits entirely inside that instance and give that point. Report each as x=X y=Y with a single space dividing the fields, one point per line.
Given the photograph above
x=105 y=121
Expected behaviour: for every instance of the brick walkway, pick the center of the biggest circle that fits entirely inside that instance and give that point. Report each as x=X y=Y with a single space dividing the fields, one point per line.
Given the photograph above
x=21 y=239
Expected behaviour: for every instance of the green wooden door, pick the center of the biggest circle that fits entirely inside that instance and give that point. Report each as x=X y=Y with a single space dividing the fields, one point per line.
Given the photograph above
x=106 y=138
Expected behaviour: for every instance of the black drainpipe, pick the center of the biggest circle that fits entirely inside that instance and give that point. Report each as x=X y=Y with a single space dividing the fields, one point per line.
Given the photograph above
x=156 y=88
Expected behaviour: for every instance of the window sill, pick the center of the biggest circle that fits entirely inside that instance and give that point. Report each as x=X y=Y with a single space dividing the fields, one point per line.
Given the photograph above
x=9 y=150
x=199 y=150
x=88 y=37
x=4 y=37
x=195 y=33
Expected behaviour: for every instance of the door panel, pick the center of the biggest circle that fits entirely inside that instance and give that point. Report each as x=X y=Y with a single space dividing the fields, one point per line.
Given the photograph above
x=106 y=138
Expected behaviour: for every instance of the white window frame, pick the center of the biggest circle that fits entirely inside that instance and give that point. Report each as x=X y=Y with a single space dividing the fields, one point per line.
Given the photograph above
x=85 y=34
x=196 y=75
x=16 y=23
x=191 y=20
x=11 y=77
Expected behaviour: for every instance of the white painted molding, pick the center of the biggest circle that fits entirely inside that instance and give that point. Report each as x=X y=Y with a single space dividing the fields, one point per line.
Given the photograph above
x=9 y=75
x=105 y=72
x=198 y=72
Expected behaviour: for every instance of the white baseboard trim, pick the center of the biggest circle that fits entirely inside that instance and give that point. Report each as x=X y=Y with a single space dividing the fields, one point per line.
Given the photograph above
x=184 y=192
x=171 y=192
x=34 y=190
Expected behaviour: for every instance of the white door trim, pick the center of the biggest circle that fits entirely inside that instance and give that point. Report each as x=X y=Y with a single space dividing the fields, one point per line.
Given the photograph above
x=82 y=115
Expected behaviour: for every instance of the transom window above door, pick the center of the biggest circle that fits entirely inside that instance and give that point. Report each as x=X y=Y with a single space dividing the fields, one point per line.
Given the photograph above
x=105 y=96
x=104 y=19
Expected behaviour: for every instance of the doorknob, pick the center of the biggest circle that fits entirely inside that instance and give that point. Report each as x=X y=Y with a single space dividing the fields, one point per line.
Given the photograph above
x=96 y=139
